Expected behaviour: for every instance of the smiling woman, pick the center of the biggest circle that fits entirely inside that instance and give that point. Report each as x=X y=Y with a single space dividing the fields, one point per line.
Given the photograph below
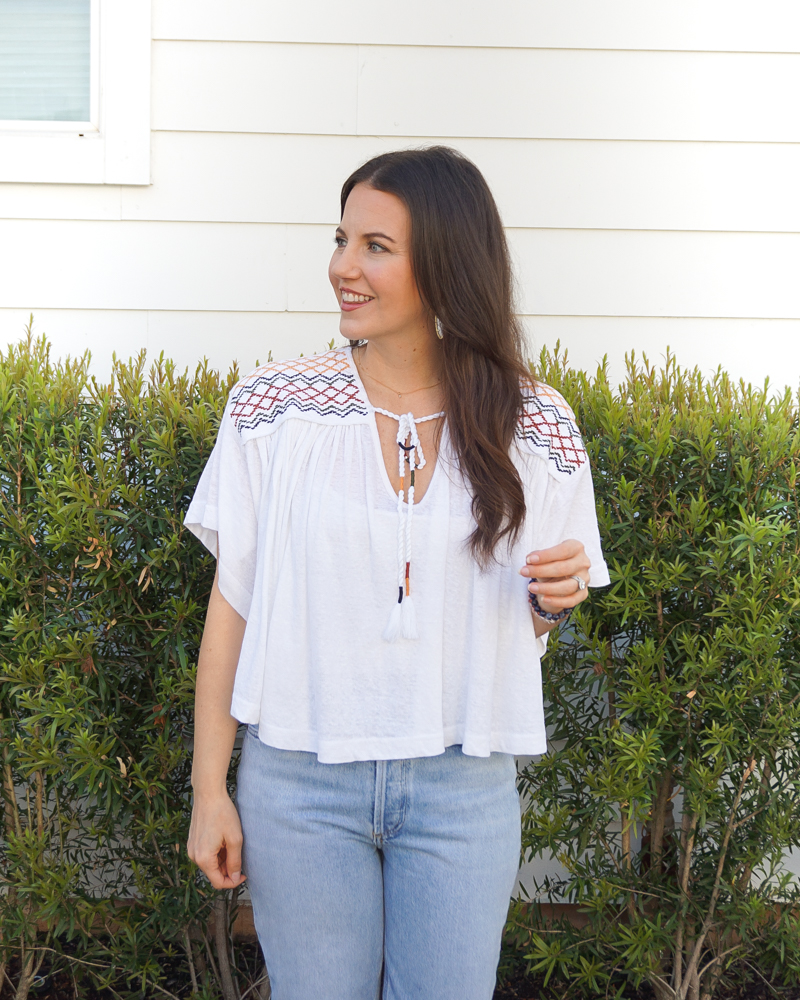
x=376 y=795
x=379 y=264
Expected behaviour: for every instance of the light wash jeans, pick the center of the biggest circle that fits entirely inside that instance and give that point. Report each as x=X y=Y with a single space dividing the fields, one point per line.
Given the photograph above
x=405 y=866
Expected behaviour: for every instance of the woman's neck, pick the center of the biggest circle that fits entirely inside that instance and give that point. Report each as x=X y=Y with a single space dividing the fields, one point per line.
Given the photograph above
x=405 y=367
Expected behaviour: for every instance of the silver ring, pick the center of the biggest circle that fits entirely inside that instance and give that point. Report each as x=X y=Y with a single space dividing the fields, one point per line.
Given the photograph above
x=581 y=583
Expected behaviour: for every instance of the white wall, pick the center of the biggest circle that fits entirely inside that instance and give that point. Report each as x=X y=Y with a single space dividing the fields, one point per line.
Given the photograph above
x=645 y=158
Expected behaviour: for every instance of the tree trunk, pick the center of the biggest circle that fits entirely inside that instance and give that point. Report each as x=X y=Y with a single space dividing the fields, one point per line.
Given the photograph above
x=25 y=977
x=229 y=990
x=662 y=821
x=693 y=987
x=187 y=946
x=660 y=990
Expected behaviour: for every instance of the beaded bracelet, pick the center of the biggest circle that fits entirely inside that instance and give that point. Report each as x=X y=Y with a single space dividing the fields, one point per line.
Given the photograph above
x=549 y=616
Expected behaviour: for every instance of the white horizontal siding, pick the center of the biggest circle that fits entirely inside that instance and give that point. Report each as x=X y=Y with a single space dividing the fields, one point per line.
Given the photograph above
x=420 y=91
x=542 y=183
x=130 y=265
x=628 y=273
x=242 y=87
x=639 y=187
x=722 y=25
x=749 y=349
x=59 y=201
x=234 y=266
x=187 y=337
x=577 y=94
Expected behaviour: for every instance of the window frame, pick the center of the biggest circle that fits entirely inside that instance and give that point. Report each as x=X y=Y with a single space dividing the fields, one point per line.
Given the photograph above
x=114 y=146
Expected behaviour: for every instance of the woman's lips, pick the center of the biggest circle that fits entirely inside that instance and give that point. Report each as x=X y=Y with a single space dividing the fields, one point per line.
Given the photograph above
x=350 y=306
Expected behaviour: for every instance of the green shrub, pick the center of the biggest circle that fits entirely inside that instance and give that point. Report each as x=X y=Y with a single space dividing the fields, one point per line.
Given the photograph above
x=102 y=599
x=675 y=696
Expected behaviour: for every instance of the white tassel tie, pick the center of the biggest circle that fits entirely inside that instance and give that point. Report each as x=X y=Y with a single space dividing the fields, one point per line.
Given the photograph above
x=403 y=619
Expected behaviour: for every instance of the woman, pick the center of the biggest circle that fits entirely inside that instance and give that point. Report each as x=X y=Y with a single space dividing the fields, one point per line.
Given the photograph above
x=372 y=510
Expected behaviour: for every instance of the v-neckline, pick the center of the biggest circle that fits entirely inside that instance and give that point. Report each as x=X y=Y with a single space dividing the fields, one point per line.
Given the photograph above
x=376 y=440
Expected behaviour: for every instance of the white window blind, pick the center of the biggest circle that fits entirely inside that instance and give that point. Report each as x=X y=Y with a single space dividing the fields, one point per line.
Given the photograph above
x=45 y=60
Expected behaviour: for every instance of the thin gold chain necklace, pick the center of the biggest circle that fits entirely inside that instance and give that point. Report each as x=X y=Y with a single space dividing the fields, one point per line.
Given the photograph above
x=400 y=395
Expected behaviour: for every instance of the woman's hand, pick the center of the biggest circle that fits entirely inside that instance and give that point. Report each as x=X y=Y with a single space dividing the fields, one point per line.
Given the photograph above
x=554 y=570
x=215 y=840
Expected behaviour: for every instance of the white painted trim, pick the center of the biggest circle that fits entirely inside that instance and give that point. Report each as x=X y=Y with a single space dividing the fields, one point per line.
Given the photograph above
x=114 y=148
x=13 y=125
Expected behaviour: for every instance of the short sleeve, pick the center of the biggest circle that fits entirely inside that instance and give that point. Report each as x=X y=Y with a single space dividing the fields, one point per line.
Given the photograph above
x=578 y=512
x=565 y=507
x=223 y=513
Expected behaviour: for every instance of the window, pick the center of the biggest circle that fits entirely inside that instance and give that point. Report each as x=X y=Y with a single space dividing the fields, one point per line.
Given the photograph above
x=75 y=91
x=46 y=62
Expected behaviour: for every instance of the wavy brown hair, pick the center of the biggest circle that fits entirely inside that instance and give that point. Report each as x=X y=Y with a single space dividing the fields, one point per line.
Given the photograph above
x=461 y=263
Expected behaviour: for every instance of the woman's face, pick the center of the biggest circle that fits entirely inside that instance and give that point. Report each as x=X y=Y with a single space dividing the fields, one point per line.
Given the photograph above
x=371 y=268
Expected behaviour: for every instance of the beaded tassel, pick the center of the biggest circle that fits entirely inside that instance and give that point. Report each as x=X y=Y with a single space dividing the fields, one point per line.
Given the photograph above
x=403 y=619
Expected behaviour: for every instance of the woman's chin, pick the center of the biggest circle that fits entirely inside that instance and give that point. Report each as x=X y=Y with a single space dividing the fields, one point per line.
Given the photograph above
x=351 y=329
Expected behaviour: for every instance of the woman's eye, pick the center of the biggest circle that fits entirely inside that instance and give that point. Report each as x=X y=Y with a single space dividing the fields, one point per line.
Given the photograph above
x=376 y=247
x=339 y=241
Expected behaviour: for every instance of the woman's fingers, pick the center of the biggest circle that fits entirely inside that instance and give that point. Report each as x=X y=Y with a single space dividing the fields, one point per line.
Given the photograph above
x=556 y=571
x=228 y=871
x=555 y=595
x=561 y=587
x=564 y=560
x=215 y=842
x=567 y=549
x=223 y=869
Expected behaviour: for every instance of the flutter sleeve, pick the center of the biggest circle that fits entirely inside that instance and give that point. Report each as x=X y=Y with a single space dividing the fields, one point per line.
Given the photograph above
x=574 y=515
x=565 y=507
x=223 y=513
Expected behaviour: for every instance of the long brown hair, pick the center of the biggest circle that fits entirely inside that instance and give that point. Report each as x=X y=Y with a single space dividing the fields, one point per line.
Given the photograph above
x=461 y=263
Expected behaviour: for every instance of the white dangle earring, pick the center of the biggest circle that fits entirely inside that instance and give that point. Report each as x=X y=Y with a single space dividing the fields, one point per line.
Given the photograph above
x=438 y=324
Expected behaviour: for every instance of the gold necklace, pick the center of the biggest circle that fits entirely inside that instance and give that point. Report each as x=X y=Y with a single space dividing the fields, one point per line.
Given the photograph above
x=400 y=395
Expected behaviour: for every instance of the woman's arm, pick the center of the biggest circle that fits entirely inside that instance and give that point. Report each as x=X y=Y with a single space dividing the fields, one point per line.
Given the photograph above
x=215 y=834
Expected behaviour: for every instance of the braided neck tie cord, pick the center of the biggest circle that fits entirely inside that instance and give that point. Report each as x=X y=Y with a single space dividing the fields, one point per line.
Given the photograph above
x=403 y=619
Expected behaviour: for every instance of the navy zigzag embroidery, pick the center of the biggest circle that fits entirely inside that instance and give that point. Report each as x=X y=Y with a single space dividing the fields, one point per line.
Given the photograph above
x=547 y=422
x=323 y=386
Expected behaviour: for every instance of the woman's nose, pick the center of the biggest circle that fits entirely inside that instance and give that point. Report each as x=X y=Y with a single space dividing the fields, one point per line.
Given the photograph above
x=344 y=264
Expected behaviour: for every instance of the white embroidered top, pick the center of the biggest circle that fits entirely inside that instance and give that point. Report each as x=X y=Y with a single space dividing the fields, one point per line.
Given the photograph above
x=296 y=505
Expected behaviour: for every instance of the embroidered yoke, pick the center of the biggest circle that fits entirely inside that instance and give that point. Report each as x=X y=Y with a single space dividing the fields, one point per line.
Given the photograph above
x=315 y=551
